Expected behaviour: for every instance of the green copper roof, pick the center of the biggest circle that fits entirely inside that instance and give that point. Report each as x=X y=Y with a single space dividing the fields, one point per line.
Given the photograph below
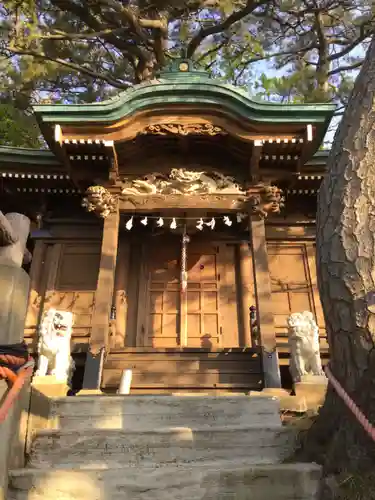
x=186 y=87
x=28 y=156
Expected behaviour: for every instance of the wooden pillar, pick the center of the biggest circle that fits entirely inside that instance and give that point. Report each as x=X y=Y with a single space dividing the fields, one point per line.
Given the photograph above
x=246 y=278
x=99 y=340
x=264 y=303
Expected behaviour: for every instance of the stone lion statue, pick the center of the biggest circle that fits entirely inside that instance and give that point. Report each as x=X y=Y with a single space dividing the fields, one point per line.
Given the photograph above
x=54 y=345
x=303 y=333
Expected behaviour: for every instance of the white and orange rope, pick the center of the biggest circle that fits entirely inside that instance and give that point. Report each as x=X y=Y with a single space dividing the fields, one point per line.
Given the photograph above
x=359 y=415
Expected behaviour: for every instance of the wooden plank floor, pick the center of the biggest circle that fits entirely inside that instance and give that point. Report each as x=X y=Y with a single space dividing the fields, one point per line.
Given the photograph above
x=161 y=370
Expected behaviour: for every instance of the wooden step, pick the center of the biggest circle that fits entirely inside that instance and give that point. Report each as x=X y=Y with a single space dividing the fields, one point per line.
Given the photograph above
x=185 y=369
x=66 y=449
x=235 y=480
x=140 y=413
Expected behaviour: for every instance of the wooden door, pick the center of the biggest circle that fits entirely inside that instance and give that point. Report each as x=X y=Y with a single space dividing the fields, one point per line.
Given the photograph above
x=211 y=309
x=159 y=321
x=203 y=320
x=206 y=315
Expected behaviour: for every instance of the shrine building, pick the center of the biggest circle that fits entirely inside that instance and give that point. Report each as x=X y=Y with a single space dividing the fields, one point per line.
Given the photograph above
x=177 y=222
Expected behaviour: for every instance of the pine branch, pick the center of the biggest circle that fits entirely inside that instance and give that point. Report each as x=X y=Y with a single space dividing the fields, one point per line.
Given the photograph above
x=75 y=67
x=223 y=26
x=349 y=67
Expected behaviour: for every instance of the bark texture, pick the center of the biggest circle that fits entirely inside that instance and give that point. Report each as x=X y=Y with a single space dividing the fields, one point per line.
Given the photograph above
x=346 y=280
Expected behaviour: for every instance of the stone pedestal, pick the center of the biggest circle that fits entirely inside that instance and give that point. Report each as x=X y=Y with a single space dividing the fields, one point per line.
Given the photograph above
x=49 y=386
x=14 y=292
x=43 y=390
x=90 y=392
x=295 y=404
x=13 y=432
x=313 y=388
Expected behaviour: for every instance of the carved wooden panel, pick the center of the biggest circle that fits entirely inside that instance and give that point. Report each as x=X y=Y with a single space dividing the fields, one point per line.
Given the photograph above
x=290 y=282
x=71 y=283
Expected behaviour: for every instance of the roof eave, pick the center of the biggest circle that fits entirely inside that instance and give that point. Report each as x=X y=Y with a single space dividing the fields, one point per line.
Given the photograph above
x=27 y=156
x=147 y=97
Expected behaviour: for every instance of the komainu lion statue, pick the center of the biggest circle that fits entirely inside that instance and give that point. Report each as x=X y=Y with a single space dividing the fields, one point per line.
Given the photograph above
x=54 y=345
x=303 y=333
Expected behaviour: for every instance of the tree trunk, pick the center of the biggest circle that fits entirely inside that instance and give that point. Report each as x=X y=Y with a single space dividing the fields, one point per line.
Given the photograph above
x=346 y=280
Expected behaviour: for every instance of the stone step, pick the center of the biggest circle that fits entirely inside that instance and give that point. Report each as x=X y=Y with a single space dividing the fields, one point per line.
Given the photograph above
x=220 y=482
x=154 y=448
x=138 y=413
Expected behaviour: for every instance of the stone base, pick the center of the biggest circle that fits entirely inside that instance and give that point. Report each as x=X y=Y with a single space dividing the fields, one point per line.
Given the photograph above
x=287 y=402
x=90 y=392
x=49 y=386
x=313 y=388
x=43 y=390
x=13 y=435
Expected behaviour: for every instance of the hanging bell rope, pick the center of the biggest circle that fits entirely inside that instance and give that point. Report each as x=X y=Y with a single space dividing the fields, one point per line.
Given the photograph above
x=184 y=242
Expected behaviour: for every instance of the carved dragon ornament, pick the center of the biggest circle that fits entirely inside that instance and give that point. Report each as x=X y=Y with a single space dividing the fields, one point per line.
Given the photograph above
x=100 y=201
x=181 y=129
x=261 y=200
x=268 y=201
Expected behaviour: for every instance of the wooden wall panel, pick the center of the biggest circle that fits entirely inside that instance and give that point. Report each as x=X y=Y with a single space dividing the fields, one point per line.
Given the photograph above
x=290 y=281
x=311 y=249
x=294 y=289
x=37 y=285
x=71 y=279
x=121 y=298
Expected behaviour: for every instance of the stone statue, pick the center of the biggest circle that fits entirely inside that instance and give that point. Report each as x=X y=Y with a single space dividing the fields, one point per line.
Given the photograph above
x=303 y=333
x=54 y=345
x=14 y=281
x=14 y=231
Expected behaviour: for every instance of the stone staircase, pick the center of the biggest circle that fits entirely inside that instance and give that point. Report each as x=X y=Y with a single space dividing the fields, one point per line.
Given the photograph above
x=189 y=447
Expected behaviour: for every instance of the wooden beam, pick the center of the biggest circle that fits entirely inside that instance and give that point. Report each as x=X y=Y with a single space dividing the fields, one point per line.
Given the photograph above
x=264 y=302
x=62 y=154
x=113 y=173
x=160 y=203
x=104 y=291
x=262 y=197
x=254 y=160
